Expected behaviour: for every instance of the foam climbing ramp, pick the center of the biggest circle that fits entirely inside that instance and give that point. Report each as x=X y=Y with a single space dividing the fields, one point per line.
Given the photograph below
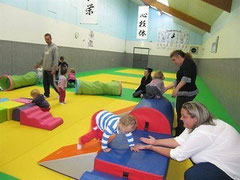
x=72 y=162
x=122 y=162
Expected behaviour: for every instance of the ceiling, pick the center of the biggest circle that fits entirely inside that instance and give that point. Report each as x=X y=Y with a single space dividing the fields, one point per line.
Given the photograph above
x=197 y=9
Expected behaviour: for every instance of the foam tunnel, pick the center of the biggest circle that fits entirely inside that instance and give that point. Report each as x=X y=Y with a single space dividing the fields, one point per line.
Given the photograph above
x=98 y=88
x=155 y=115
x=10 y=82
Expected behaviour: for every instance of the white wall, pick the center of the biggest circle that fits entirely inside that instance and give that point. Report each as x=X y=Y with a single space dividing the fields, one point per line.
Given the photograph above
x=24 y=26
x=154 y=50
x=227 y=27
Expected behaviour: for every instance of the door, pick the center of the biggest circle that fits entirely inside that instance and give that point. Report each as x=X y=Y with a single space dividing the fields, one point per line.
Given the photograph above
x=140 y=57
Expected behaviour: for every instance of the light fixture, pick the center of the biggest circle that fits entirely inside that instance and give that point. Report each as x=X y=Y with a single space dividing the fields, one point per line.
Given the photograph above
x=159 y=13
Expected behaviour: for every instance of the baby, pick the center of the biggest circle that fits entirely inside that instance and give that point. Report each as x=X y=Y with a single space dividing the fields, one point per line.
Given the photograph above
x=104 y=124
x=39 y=100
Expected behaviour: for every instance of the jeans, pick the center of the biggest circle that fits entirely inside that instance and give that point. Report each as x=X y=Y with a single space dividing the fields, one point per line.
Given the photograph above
x=205 y=171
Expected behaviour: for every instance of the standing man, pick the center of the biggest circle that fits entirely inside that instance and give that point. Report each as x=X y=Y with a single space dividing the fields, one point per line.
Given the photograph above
x=49 y=64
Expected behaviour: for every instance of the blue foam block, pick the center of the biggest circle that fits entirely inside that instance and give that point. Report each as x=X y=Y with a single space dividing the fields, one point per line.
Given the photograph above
x=163 y=105
x=4 y=99
x=96 y=175
x=145 y=160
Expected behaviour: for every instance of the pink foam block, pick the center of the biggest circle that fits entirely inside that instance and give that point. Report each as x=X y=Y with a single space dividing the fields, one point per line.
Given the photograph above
x=35 y=117
x=23 y=100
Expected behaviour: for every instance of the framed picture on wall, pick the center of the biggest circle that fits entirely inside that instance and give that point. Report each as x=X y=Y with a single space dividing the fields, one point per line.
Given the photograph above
x=215 y=46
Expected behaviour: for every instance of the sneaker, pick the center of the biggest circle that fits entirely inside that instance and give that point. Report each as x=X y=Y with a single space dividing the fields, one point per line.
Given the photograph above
x=64 y=102
x=79 y=146
x=61 y=103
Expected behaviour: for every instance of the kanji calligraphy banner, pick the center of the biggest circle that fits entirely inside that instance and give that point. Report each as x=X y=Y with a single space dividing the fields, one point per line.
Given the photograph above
x=142 y=25
x=88 y=11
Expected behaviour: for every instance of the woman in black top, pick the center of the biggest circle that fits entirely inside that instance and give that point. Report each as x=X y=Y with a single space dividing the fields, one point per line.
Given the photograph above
x=146 y=79
x=185 y=87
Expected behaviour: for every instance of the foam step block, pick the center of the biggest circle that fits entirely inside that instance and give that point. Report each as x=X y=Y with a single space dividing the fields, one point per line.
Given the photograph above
x=10 y=106
x=3 y=114
x=35 y=117
x=16 y=112
x=122 y=162
x=97 y=175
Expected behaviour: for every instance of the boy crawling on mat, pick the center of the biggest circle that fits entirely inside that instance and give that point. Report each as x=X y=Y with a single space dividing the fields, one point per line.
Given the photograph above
x=104 y=124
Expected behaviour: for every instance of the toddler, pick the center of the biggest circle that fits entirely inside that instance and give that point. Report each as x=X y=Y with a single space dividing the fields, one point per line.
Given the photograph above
x=104 y=124
x=61 y=64
x=62 y=85
x=39 y=100
x=71 y=76
x=155 y=88
x=40 y=74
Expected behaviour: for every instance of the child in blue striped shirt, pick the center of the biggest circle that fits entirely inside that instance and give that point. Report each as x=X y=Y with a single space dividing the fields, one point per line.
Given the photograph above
x=104 y=124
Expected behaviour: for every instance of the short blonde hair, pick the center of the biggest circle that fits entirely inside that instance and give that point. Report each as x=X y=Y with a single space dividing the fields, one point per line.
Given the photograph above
x=128 y=120
x=72 y=70
x=198 y=110
x=159 y=74
x=35 y=92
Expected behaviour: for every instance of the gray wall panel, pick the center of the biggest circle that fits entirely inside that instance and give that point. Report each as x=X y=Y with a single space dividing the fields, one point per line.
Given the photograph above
x=22 y=58
x=163 y=63
x=223 y=79
x=18 y=58
x=5 y=57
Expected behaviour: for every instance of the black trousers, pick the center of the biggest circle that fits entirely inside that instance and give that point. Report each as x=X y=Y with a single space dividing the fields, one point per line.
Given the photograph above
x=48 y=79
x=179 y=103
x=137 y=94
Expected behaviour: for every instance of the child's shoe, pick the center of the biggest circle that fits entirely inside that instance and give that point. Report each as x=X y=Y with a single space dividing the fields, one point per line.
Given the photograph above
x=79 y=146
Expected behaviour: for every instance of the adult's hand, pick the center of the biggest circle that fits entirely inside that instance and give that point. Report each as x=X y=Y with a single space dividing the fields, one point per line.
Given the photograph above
x=142 y=146
x=151 y=140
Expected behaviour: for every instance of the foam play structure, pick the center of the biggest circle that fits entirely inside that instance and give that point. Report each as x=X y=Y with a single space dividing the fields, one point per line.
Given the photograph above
x=98 y=88
x=8 y=82
x=154 y=118
x=35 y=117
x=27 y=113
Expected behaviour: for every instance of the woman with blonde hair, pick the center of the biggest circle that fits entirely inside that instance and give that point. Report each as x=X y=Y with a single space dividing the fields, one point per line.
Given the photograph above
x=212 y=145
